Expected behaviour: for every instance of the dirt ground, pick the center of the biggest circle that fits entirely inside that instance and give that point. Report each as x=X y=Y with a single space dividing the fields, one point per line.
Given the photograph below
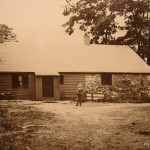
x=37 y=125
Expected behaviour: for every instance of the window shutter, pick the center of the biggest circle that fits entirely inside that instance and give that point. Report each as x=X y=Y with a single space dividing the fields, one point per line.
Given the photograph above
x=61 y=79
x=15 y=81
x=25 y=81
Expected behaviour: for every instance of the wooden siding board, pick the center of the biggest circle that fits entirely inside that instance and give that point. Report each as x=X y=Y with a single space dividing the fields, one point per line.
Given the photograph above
x=39 y=94
x=69 y=88
x=23 y=93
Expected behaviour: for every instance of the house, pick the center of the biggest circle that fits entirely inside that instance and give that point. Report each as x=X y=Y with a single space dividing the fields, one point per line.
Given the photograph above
x=45 y=71
x=1 y=37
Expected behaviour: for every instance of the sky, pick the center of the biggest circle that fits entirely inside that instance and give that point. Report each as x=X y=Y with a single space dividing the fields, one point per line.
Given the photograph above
x=37 y=21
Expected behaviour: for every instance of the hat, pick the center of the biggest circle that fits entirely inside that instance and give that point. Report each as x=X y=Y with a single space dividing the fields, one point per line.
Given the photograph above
x=79 y=85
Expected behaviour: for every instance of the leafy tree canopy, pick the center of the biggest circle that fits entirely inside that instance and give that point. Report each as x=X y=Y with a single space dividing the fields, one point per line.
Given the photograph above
x=98 y=19
x=6 y=34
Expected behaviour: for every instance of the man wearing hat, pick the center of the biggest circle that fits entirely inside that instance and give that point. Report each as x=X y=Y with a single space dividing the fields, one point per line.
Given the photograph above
x=79 y=94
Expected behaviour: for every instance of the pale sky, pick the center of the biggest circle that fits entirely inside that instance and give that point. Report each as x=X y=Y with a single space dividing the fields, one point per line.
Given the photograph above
x=37 y=21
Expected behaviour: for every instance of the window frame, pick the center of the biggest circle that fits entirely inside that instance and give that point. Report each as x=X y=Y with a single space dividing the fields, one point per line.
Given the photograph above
x=106 y=79
x=20 y=80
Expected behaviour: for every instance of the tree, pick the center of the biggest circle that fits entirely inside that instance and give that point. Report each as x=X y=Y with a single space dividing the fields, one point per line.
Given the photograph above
x=98 y=18
x=136 y=16
x=6 y=34
x=93 y=18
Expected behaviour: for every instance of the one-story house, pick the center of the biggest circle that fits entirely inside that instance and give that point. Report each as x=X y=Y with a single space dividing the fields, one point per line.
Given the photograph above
x=53 y=71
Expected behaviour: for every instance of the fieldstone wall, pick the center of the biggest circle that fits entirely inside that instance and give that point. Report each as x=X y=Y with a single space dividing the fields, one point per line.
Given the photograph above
x=125 y=87
x=92 y=83
x=131 y=86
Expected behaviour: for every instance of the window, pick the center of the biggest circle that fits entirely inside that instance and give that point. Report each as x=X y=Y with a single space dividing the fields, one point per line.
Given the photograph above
x=19 y=80
x=106 y=79
x=61 y=79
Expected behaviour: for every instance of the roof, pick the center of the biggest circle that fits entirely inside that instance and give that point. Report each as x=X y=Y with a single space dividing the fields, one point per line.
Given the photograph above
x=49 y=59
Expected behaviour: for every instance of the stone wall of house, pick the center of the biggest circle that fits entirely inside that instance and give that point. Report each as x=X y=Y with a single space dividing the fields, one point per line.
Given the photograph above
x=125 y=87
x=93 y=83
x=131 y=86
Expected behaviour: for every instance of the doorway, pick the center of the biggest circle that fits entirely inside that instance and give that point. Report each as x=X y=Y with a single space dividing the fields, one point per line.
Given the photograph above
x=48 y=86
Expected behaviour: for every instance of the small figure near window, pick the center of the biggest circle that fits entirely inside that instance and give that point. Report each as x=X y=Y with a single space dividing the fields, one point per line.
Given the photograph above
x=79 y=94
x=20 y=80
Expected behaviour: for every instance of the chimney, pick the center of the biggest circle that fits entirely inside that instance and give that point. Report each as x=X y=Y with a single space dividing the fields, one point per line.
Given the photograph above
x=86 y=39
x=1 y=38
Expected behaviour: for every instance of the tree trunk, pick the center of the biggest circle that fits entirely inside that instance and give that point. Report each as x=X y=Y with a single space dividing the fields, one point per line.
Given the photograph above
x=148 y=45
x=148 y=52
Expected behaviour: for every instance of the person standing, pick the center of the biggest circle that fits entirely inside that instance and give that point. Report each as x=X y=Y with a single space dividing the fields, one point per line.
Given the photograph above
x=79 y=94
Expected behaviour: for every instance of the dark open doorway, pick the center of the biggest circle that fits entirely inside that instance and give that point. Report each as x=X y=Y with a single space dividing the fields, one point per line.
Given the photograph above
x=48 y=86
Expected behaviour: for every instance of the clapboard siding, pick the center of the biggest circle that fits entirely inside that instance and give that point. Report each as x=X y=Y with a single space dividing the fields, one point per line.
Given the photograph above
x=5 y=83
x=69 y=88
x=21 y=93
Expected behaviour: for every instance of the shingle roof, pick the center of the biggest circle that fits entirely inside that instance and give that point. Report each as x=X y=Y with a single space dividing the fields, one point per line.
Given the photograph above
x=49 y=59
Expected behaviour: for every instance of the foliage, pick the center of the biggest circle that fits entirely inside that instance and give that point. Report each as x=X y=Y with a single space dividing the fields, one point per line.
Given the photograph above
x=98 y=19
x=93 y=18
x=136 y=16
x=6 y=33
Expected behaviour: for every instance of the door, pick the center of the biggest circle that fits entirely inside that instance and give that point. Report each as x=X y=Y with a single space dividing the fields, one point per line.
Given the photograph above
x=48 y=86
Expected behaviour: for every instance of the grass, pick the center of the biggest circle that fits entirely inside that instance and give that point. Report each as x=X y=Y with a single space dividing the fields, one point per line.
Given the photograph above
x=91 y=127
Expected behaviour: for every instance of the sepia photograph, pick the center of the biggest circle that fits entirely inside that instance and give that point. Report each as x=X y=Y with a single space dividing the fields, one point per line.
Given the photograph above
x=74 y=74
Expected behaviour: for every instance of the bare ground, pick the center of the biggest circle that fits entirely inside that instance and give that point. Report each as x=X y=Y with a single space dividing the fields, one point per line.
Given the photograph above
x=31 y=125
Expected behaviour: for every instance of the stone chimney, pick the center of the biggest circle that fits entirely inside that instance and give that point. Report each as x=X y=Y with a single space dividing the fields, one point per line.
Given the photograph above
x=86 y=39
x=1 y=38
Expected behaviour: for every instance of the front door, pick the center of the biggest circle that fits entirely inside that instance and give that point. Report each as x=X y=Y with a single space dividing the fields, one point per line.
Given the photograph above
x=48 y=86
